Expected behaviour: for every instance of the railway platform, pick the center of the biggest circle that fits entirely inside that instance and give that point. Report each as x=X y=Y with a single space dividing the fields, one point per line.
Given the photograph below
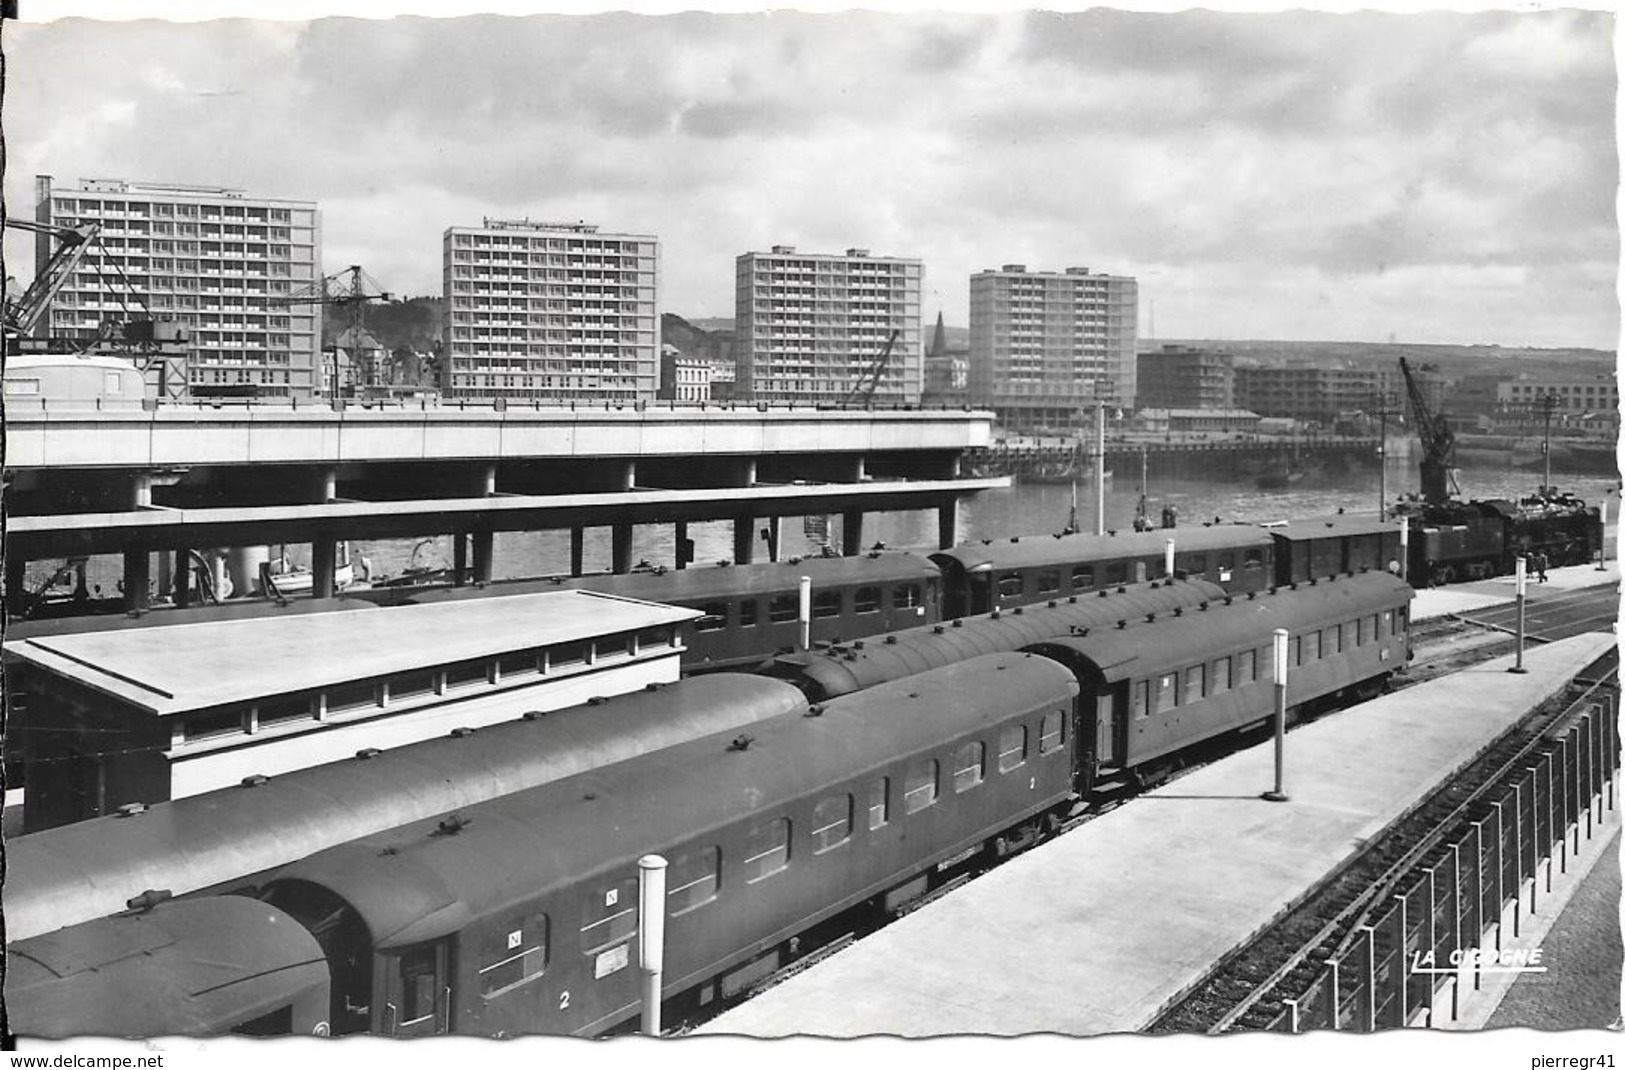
x=1098 y=931
x=1465 y=597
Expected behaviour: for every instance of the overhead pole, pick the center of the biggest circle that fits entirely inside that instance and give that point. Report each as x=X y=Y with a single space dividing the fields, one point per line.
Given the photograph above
x=1384 y=409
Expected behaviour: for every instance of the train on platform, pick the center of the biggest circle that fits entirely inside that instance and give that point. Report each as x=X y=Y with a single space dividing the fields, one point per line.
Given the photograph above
x=1475 y=540
x=517 y=914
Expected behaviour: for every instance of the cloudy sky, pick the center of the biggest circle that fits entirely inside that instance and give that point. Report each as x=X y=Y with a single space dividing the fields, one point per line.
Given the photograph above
x=1444 y=177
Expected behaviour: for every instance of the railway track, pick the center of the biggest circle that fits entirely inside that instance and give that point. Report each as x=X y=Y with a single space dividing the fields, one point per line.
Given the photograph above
x=1248 y=990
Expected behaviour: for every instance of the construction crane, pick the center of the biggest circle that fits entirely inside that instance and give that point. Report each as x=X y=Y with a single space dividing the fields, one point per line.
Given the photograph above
x=23 y=315
x=1438 y=445
x=347 y=290
x=870 y=379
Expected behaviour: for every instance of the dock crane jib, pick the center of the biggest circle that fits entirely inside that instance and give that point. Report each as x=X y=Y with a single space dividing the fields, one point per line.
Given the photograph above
x=1438 y=444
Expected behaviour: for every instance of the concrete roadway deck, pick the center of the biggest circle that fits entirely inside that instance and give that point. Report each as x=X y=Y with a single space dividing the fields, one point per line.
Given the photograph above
x=1100 y=930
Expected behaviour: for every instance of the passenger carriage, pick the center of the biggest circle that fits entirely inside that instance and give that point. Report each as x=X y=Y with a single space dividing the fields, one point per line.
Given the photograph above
x=519 y=915
x=980 y=577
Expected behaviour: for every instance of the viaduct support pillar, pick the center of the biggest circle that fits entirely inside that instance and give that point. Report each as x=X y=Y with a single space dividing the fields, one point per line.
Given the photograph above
x=680 y=541
x=858 y=470
x=578 y=543
x=775 y=533
x=852 y=532
x=16 y=573
x=183 y=579
x=459 y=558
x=137 y=565
x=326 y=486
x=323 y=563
x=620 y=548
x=484 y=546
x=141 y=491
x=948 y=524
x=744 y=539
x=627 y=477
x=745 y=474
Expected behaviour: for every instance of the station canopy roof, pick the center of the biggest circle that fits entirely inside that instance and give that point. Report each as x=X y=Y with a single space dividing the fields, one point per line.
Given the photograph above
x=183 y=667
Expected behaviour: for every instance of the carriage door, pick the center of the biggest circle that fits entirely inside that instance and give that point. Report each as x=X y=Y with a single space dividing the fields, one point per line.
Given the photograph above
x=417 y=991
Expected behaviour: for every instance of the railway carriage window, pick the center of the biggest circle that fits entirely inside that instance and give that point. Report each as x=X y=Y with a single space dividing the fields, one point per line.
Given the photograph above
x=1012 y=747
x=1051 y=732
x=784 y=607
x=832 y=823
x=1253 y=561
x=419 y=973
x=1049 y=582
x=1010 y=585
x=1227 y=562
x=1117 y=573
x=1388 y=622
x=1195 y=681
x=920 y=786
x=693 y=879
x=826 y=604
x=866 y=600
x=1220 y=677
x=768 y=849
x=1294 y=654
x=1165 y=692
x=1246 y=667
x=1334 y=639
x=1311 y=647
x=513 y=954
x=1363 y=632
x=1399 y=618
x=906 y=596
x=1196 y=564
x=747 y=613
x=1142 y=699
x=1376 y=632
x=714 y=618
x=970 y=765
x=612 y=916
x=1083 y=578
x=879 y=802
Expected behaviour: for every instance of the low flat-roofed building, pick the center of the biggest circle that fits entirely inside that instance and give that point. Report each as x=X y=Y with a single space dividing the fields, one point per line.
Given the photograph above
x=151 y=714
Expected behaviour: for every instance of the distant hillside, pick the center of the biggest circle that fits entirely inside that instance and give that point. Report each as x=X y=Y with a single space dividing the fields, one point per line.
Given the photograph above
x=1452 y=361
x=415 y=322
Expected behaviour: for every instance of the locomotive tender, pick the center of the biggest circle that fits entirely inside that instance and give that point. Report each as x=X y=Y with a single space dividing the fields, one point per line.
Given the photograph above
x=516 y=915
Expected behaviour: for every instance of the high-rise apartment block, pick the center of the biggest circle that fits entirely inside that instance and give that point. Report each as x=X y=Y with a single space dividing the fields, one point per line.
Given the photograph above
x=811 y=327
x=1045 y=345
x=214 y=260
x=550 y=312
x=1182 y=377
x=1305 y=391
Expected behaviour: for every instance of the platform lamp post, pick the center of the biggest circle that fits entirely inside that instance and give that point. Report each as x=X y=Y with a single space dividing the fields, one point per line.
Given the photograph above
x=1100 y=463
x=1385 y=409
x=1522 y=573
x=652 y=941
x=1602 y=550
x=1278 y=793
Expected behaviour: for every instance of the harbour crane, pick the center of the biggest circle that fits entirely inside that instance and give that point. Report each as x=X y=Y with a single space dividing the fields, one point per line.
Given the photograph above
x=347 y=290
x=23 y=315
x=870 y=379
x=1438 y=445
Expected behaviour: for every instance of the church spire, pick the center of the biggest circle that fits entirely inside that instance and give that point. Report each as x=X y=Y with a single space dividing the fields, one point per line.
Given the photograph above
x=939 y=340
